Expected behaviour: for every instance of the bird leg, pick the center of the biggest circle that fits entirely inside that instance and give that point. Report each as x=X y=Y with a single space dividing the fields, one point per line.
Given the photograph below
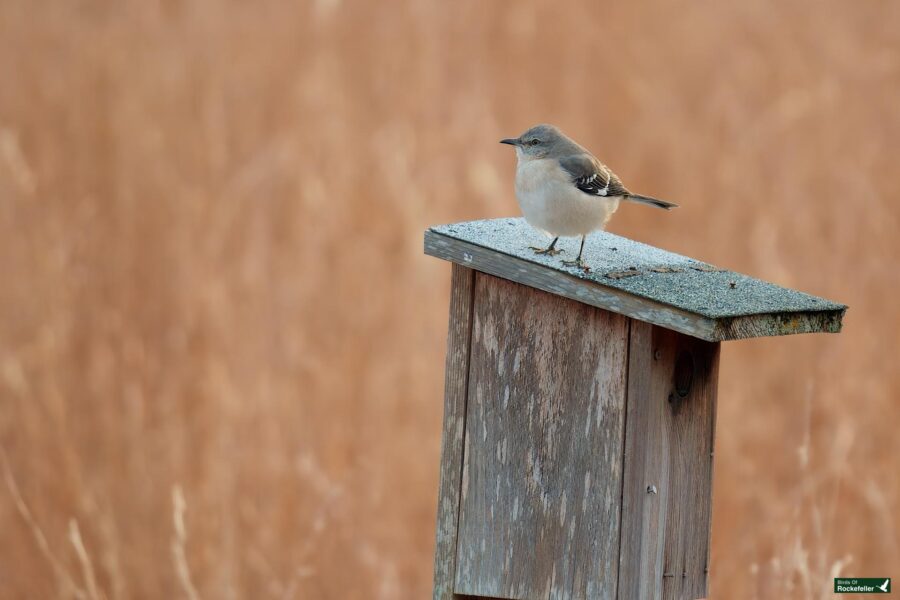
x=550 y=251
x=578 y=262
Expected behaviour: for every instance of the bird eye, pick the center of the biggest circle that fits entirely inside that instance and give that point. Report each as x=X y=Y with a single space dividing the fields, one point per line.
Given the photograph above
x=535 y=142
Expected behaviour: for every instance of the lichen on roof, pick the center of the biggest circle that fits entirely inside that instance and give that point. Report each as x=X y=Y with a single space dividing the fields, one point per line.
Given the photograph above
x=643 y=270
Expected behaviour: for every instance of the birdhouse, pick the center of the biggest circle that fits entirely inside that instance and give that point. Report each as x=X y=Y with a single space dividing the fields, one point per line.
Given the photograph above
x=580 y=409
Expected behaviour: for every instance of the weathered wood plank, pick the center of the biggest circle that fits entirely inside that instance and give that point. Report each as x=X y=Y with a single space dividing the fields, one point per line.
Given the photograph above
x=667 y=488
x=561 y=284
x=543 y=447
x=639 y=281
x=455 y=390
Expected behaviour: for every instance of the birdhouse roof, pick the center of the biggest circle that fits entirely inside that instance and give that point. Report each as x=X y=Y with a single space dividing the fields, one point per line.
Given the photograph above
x=637 y=280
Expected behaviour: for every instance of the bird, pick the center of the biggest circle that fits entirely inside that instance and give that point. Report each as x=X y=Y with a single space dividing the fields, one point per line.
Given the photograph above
x=563 y=190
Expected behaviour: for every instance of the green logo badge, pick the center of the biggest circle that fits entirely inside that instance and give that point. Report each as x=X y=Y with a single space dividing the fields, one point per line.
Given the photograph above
x=862 y=585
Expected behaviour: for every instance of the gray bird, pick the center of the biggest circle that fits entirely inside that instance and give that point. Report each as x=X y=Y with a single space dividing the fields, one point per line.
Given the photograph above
x=564 y=190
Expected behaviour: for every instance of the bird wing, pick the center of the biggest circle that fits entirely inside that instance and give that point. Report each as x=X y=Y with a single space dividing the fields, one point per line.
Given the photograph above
x=592 y=177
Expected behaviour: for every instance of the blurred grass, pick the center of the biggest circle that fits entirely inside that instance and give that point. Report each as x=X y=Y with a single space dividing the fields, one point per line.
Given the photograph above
x=221 y=348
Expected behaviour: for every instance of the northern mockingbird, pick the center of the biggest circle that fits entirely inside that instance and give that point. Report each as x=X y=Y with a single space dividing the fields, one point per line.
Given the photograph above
x=563 y=190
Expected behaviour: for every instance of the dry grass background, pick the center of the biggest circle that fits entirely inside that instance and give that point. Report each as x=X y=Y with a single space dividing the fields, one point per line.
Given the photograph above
x=221 y=348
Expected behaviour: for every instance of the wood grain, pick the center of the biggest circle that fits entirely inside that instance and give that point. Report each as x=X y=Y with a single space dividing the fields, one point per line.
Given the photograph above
x=667 y=490
x=543 y=446
x=455 y=389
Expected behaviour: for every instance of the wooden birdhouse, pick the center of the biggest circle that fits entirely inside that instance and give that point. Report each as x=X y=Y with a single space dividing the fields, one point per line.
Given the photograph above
x=580 y=409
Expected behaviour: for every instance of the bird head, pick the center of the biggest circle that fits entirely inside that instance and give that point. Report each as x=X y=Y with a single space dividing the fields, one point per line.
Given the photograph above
x=540 y=141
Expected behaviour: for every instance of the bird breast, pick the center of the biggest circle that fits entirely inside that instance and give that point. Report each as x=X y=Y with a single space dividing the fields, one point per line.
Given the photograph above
x=551 y=202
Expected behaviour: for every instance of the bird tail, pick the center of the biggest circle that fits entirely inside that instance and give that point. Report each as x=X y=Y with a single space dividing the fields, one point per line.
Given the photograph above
x=651 y=201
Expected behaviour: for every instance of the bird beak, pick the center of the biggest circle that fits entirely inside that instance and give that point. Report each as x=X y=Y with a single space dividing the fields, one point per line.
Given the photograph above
x=510 y=141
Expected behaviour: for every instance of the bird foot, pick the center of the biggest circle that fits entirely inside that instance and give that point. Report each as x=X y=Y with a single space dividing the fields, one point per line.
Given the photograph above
x=578 y=262
x=547 y=251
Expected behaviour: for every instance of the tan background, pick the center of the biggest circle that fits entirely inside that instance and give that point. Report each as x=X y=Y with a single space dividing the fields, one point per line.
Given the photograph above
x=221 y=348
